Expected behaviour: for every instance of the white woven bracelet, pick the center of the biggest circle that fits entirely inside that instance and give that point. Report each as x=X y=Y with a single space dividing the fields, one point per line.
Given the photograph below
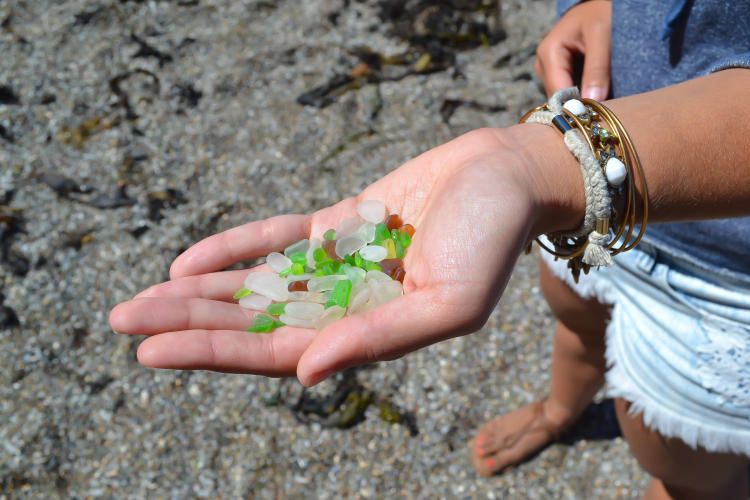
x=598 y=201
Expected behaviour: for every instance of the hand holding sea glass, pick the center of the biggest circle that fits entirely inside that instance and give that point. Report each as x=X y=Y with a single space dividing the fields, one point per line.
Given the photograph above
x=472 y=210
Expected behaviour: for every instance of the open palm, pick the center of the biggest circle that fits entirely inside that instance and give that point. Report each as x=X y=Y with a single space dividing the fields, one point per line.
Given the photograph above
x=472 y=213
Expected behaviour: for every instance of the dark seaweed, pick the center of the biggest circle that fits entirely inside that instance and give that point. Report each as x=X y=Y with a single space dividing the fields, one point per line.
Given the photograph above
x=344 y=408
x=188 y=94
x=5 y=134
x=160 y=200
x=115 y=84
x=7 y=96
x=146 y=50
x=119 y=199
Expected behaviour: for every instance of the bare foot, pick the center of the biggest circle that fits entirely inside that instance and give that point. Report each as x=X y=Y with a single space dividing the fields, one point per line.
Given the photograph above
x=508 y=440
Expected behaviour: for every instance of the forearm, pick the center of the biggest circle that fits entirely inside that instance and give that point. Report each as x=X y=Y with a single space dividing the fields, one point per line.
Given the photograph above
x=694 y=143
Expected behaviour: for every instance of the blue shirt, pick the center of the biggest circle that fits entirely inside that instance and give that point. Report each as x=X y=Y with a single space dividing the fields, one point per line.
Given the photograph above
x=657 y=43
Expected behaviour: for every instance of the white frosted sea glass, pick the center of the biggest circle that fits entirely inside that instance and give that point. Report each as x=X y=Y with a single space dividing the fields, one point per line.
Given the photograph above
x=307 y=297
x=302 y=323
x=353 y=275
x=291 y=278
x=268 y=284
x=376 y=275
x=277 y=262
x=389 y=290
x=359 y=300
x=350 y=244
x=330 y=315
x=303 y=310
x=256 y=302
x=348 y=227
x=372 y=210
x=315 y=243
x=368 y=231
x=300 y=246
x=373 y=253
x=324 y=283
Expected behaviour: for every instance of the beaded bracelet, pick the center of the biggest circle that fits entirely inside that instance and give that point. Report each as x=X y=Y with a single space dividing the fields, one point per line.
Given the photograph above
x=607 y=159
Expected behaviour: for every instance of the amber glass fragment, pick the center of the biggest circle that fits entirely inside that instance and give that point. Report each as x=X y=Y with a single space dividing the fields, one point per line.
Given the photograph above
x=298 y=286
x=389 y=266
x=393 y=222
x=407 y=228
x=399 y=274
x=330 y=247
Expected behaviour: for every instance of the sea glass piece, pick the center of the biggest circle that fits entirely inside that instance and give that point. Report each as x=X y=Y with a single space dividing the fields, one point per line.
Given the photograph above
x=360 y=300
x=286 y=272
x=303 y=310
x=315 y=244
x=361 y=273
x=340 y=293
x=328 y=270
x=350 y=244
x=263 y=329
x=376 y=276
x=407 y=228
x=319 y=273
x=300 y=246
x=242 y=292
x=297 y=269
x=268 y=284
x=350 y=273
x=277 y=309
x=393 y=222
x=298 y=258
x=395 y=235
x=371 y=266
x=348 y=227
x=255 y=301
x=388 y=291
x=299 y=277
x=330 y=247
x=383 y=231
x=390 y=246
x=325 y=283
x=358 y=260
x=349 y=260
x=390 y=265
x=374 y=253
x=319 y=255
x=329 y=304
x=399 y=274
x=302 y=323
x=262 y=320
x=368 y=231
x=372 y=211
x=277 y=262
x=323 y=263
x=298 y=286
x=405 y=240
x=330 y=234
x=400 y=252
x=330 y=315
x=307 y=297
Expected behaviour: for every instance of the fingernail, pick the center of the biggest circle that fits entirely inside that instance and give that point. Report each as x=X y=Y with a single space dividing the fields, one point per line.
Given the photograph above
x=595 y=93
x=490 y=463
x=319 y=377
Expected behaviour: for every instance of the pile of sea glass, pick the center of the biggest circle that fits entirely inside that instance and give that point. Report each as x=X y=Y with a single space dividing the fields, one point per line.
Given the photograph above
x=356 y=268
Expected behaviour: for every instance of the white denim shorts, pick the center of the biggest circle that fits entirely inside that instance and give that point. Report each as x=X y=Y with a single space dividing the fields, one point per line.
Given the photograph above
x=678 y=345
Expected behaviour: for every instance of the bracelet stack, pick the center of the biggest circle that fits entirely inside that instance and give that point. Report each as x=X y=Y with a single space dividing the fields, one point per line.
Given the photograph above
x=609 y=164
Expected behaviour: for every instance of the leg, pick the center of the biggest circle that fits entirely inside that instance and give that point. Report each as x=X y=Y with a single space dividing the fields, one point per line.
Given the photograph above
x=680 y=472
x=578 y=367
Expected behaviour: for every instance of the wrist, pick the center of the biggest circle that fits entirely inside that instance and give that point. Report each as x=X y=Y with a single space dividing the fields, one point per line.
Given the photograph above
x=553 y=176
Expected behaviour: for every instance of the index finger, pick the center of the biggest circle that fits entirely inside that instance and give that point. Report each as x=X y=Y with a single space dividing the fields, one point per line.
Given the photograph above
x=248 y=241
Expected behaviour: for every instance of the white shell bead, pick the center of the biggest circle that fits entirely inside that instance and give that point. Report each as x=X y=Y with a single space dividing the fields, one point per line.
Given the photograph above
x=575 y=106
x=616 y=171
x=372 y=211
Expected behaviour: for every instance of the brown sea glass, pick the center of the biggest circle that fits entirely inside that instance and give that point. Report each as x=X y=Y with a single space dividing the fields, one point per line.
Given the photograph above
x=407 y=228
x=389 y=266
x=399 y=274
x=298 y=286
x=393 y=222
x=330 y=247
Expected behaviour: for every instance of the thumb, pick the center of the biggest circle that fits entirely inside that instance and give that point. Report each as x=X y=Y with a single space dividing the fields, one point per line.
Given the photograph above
x=596 y=66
